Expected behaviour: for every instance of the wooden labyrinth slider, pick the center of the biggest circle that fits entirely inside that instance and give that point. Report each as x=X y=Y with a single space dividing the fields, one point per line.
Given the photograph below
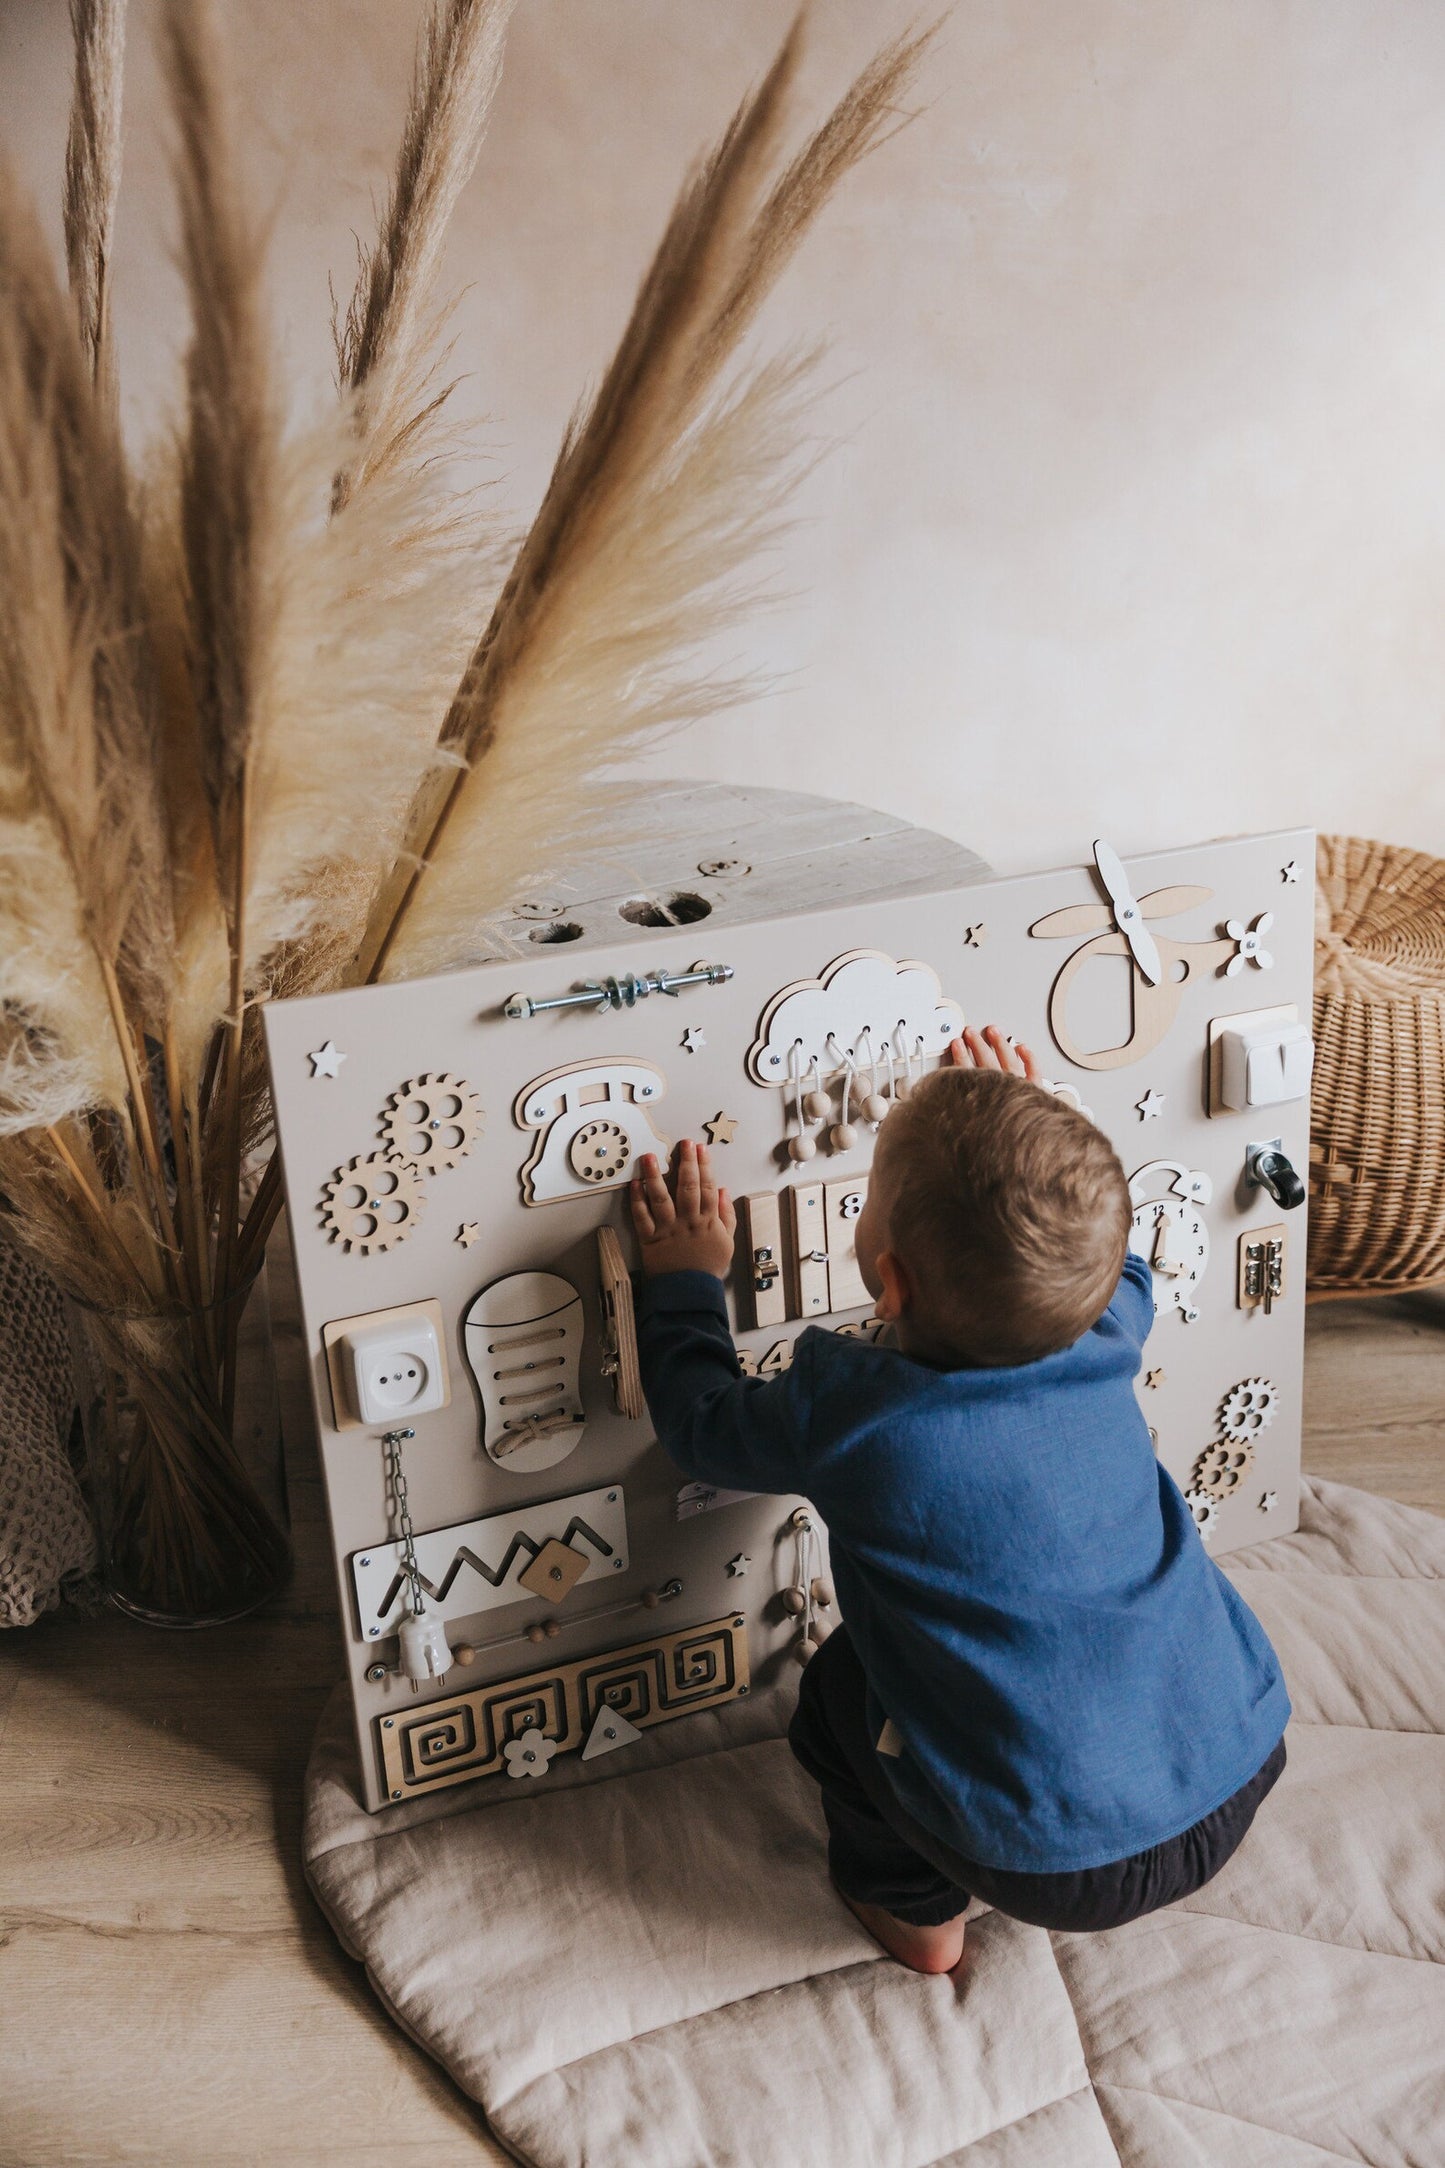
x=649 y=1682
x=480 y=1565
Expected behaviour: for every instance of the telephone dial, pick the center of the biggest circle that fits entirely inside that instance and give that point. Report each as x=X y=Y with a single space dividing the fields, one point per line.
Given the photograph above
x=595 y=1126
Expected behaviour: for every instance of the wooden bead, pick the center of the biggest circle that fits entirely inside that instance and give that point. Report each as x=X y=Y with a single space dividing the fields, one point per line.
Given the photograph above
x=464 y=1653
x=801 y=1147
x=817 y=1106
x=818 y=1632
x=875 y=1106
x=794 y=1601
x=902 y=1088
x=805 y=1652
x=845 y=1136
x=551 y=1629
x=823 y=1592
x=536 y=1633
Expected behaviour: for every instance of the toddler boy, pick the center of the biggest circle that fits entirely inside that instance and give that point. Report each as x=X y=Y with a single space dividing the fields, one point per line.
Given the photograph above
x=1045 y=1694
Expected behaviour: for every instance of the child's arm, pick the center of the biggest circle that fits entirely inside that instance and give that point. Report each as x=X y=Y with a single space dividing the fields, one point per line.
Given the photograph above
x=718 y=1426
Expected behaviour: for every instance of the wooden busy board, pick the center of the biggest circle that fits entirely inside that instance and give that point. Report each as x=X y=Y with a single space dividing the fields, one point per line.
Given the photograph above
x=455 y=1150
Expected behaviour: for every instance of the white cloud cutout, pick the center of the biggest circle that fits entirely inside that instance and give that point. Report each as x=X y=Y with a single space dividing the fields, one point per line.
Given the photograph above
x=863 y=1003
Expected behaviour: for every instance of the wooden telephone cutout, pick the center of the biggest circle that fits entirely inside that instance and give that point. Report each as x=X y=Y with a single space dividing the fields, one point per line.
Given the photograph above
x=594 y=1127
x=1160 y=969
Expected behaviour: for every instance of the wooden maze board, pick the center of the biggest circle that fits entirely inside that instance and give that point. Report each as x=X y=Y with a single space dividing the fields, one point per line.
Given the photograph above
x=555 y=1531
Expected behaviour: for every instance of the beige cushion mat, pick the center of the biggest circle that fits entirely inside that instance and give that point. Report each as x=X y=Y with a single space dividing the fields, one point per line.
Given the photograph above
x=645 y=1967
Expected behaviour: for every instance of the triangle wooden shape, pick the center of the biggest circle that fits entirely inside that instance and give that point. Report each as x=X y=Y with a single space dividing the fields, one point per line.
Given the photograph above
x=610 y=1730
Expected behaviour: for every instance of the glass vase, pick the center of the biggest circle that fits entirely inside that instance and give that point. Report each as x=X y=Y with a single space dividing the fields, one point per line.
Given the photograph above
x=189 y=1496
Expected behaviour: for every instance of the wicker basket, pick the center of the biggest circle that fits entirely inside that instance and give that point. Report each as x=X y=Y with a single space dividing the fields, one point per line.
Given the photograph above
x=1377 y=1121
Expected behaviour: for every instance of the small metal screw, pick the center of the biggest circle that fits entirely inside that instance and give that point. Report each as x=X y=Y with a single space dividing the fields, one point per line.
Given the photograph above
x=617 y=1565
x=741 y=1691
x=373 y=1631
x=387 y=1722
x=612 y=1497
x=396 y=1795
x=738 y=1623
x=376 y=1673
x=363 y=1561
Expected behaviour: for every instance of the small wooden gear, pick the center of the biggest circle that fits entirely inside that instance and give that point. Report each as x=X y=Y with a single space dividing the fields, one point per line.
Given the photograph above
x=372 y=1203
x=1220 y=1469
x=619 y=1325
x=599 y=1151
x=432 y=1122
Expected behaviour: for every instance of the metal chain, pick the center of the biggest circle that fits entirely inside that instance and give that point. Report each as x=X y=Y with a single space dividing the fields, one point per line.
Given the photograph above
x=392 y=1441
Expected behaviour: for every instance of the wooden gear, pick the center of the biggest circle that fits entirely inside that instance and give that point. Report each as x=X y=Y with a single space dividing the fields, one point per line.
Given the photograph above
x=432 y=1122
x=372 y=1203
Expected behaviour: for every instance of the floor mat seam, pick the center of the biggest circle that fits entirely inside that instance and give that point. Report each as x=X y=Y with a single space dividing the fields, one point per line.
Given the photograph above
x=1225 y=2115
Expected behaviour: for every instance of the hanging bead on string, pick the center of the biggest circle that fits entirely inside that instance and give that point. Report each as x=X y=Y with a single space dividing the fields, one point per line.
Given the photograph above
x=844 y=1136
x=803 y=1145
x=874 y=1106
x=809 y=1592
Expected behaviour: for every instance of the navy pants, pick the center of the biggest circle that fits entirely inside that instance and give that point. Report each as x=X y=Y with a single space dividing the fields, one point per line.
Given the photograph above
x=877 y=1854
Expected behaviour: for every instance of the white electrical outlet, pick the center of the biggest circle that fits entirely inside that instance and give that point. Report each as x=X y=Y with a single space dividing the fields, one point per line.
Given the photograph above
x=388 y=1365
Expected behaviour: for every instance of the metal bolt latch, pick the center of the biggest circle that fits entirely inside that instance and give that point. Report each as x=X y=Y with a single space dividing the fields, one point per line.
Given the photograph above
x=620 y=993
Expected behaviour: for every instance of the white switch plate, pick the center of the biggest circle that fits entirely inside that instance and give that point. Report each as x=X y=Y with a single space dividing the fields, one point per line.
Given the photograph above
x=1245 y=1020
x=1265 y=1065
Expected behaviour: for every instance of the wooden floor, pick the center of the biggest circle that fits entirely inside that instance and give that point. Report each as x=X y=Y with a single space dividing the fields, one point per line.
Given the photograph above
x=172 y=1996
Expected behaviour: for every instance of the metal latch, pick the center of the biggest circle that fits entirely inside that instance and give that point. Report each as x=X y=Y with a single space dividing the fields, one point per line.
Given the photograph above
x=620 y=993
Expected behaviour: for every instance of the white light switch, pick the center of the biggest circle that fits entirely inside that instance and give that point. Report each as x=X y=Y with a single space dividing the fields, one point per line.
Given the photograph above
x=1265 y=1064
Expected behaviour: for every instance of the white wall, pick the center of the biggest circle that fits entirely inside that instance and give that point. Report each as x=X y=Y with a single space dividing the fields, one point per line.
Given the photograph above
x=1137 y=521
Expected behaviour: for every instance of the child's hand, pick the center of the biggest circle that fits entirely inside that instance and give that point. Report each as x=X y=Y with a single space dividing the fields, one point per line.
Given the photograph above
x=691 y=1229
x=992 y=1049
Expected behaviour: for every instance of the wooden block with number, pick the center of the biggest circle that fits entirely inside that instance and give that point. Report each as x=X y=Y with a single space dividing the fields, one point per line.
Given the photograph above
x=843 y=1203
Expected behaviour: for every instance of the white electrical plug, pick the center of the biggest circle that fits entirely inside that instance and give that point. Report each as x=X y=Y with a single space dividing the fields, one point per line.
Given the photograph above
x=396 y=1368
x=424 y=1651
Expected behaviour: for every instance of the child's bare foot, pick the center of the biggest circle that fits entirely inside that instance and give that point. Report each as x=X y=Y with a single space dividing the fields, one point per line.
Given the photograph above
x=922 y=1949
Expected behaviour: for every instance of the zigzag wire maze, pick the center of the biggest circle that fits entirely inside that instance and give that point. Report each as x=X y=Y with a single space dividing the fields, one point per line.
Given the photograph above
x=599 y=1517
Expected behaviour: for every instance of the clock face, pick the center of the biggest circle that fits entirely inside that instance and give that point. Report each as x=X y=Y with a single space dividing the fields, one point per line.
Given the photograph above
x=1170 y=1234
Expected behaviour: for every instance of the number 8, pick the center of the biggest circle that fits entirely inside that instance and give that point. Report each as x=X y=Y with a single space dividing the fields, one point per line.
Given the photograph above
x=850 y=1206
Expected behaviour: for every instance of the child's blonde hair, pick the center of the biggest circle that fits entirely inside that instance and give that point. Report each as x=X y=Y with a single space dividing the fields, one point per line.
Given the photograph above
x=1011 y=1211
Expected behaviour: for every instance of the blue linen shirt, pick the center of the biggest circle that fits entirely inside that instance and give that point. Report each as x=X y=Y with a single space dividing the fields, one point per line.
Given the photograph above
x=1072 y=1677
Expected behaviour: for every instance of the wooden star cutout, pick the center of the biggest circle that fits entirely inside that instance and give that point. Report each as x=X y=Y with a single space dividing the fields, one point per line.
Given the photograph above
x=467 y=1233
x=327 y=1060
x=738 y=1566
x=1291 y=871
x=1150 y=1106
x=693 y=1041
x=1266 y=1503
x=720 y=1129
x=974 y=936
x=1153 y=1379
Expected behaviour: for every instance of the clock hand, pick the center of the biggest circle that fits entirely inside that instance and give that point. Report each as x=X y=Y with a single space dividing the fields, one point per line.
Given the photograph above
x=1127 y=916
x=1167 y=1258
